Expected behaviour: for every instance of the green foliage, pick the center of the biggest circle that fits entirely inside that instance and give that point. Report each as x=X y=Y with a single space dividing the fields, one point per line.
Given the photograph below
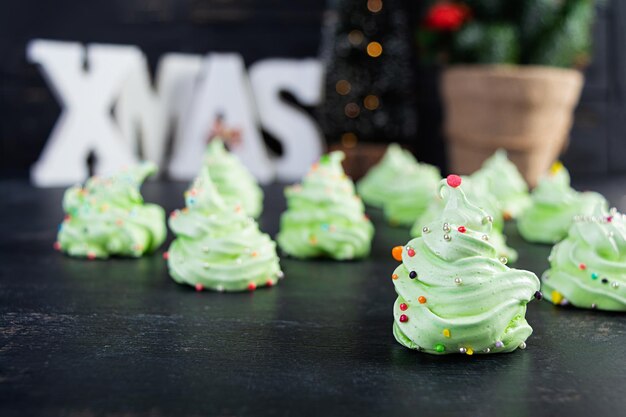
x=527 y=32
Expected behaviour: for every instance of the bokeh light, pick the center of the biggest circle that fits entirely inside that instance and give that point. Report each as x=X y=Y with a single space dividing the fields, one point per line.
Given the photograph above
x=374 y=6
x=352 y=110
x=349 y=140
x=374 y=49
x=371 y=102
x=343 y=87
x=355 y=37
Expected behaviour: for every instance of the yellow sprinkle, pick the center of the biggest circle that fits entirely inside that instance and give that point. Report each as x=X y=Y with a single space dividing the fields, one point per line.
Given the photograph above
x=469 y=351
x=556 y=167
x=557 y=297
x=446 y=332
x=313 y=240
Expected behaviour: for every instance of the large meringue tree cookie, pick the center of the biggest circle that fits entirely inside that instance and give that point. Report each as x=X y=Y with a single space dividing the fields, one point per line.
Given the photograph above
x=234 y=182
x=217 y=246
x=374 y=187
x=588 y=268
x=324 y=217
x=454 y=294
x=109 y=217
x=504 y=181
x=554 y=205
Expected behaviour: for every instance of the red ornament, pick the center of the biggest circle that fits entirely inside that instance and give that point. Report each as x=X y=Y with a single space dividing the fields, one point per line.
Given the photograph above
x=446 y=16
x=251 y=286
x=199 y=287
x=166 y=255
x=462 y=229
x=453 y=180
x=410 y=252
x=403 y=318
x=403 y=307
x=582 y=266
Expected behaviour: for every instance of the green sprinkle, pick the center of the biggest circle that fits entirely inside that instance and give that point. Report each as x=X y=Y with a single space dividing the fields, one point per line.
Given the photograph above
x=594 y=275
x=324 y=159
x=439 y=347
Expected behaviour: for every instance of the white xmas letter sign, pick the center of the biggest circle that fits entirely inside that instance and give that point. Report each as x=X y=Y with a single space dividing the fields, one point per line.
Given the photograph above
x=86 y=97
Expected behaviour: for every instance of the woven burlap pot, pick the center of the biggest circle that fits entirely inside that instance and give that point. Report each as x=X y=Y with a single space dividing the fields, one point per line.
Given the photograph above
x=524 y=109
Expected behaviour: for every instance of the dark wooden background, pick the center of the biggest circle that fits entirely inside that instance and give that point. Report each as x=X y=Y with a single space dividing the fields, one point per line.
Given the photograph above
x=259 y=29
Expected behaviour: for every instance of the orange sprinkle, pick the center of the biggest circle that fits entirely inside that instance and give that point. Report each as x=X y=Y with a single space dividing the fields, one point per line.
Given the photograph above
x=396 y=252
x=254 y=254
x=269 y=282
x=313 y=240
x=185 y=210
x=507 y=216
x=394 y=276
x=446 y=332
x=421 y=299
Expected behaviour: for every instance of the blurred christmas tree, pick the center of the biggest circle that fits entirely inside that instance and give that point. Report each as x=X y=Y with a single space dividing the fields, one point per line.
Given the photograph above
x=369 y=91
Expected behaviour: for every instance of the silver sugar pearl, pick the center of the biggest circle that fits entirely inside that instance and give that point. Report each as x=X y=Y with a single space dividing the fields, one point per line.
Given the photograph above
x=594 y=306
x=485 y=238
x=458 y=281
x=280 y=275
x=446 y=227
x=462 y=350
x=522 y=345
x=504 y=260
x=613 y=211
x=220 y=288
x=425 y=229
x=447 y=237
x=487 y=219
x=487 y=350
x=615 y=284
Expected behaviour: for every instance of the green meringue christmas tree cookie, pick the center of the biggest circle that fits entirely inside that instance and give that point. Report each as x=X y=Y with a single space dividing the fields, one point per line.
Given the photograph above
x=554 y=205
x=219 y=247
x=588 y=267
x=374 y=187
x=410 y=193
x=478 y=195
x=234 y=182
x=505 y=182
x=109 y=217
x=325 y=217
x=454 y=294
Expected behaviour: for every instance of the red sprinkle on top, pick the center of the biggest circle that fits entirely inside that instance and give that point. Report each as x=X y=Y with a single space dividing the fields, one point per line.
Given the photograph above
x=582 y=266
x=166 y=255
x=403 y=307
x=251 y=286
x=199 y=287
x=453 y=180
x=462 y=229
x=609 y=219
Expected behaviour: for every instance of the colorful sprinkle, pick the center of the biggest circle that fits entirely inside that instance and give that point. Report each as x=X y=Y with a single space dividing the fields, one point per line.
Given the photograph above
x=313 y=240
x=421 y=299
x=412 y=274
x=605 y=281
x=199 y=287
x=57 y=246
x=499 y=344
x=582 y=266
x=254 y=254
x=461 y=229
x=538 y=295
x=403 y=318
x=609 y=219
x=403 y=306
x=446 y=332
x=91 y=256
x=594 y=275
x=557 y=297
x=394 y=276
x=469 y=351
x=453 y=180
x=440 y=348
x=410 y=252
x=166 y=255
x=269 y=282
x=396 y=252
x=507 y=216
x=251 y=286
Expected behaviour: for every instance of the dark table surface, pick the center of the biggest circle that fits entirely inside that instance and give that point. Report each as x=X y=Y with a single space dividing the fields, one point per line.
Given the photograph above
x=120 y=338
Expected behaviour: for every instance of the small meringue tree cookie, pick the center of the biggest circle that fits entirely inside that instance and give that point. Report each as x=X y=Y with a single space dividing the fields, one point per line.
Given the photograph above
x=324 y=217
x=505 y=182
x=219 y=247
x=374 y=187
x=234 y=182
x=588 y=267
x=109 y=217
x=454 y=294
x=554 y=205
